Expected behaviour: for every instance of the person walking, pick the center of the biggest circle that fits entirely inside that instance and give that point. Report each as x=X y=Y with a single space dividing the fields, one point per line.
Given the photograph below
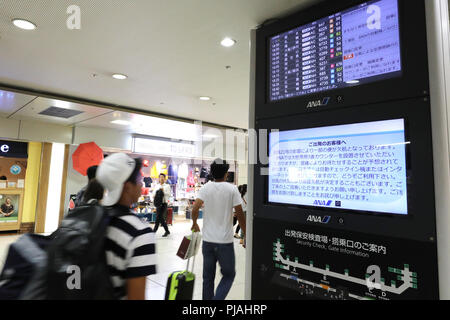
x=161 y=210
x=130 y=243
x=219 y=198
x=244 y=208
x=91 y=172
x=238 y=228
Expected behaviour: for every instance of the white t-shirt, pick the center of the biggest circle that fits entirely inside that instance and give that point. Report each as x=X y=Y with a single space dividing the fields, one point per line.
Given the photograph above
x=219 y=199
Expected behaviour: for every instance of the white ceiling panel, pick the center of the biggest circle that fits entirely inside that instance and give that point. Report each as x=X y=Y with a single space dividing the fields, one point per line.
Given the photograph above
x=145 y=125
x=32 y=110
x=10 y=102
x=170 y=49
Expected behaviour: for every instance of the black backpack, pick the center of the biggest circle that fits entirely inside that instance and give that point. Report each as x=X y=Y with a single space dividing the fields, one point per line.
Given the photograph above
x=26 y=257
x=159 y=197
x=76 y=261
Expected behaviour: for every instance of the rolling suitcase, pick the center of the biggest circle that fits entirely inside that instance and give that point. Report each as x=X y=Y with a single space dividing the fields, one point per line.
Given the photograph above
x=180 y=284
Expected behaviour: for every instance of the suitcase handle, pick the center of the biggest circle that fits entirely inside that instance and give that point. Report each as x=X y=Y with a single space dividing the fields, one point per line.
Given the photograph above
x=193 y=263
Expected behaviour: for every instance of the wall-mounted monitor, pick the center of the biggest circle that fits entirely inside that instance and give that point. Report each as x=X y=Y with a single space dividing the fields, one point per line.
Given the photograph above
x=356 y=46
x=360 y=167
x=340 y=54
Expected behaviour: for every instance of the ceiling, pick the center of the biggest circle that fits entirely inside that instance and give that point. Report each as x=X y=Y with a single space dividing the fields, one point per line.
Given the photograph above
x=24 y=107
x=170 y=49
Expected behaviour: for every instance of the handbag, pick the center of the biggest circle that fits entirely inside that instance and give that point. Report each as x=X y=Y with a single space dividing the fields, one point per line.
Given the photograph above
x=189 y=246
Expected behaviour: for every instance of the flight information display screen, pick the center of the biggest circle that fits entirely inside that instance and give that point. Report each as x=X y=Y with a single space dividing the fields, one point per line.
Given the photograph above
x=356 y=46
x=359 y=167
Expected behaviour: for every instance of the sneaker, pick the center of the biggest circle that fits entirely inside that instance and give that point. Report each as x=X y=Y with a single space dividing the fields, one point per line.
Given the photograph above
x=166 y=234
x=237 y=236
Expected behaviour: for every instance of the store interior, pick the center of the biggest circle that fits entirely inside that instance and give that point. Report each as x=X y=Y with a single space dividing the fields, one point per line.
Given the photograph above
x=185 y=177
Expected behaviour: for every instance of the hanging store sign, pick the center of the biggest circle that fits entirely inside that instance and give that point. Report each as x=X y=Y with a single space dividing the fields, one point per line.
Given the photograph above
x=165 y=147
x=11 y=149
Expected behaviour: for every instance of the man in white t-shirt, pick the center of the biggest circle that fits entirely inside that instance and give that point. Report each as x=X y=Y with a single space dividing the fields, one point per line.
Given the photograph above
x=219 y=198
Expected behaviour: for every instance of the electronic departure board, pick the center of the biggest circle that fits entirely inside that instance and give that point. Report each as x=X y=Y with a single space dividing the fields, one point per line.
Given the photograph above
x=352 y=47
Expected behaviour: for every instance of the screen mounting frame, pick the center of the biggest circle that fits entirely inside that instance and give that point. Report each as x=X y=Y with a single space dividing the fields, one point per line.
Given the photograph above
x=417 y=224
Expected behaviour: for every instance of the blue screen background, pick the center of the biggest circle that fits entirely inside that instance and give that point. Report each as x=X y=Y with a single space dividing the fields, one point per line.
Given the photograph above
x=357 y=167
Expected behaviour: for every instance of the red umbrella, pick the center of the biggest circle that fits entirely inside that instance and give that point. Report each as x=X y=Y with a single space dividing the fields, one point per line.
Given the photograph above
x=86 y=156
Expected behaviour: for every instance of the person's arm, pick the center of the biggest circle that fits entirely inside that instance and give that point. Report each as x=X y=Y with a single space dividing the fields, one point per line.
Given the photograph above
x=241 y=218
x=195 y=212
x=237 y=205
x=136 y=288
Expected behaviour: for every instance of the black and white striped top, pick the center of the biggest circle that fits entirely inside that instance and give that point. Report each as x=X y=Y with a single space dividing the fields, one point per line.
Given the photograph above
x=130 y=250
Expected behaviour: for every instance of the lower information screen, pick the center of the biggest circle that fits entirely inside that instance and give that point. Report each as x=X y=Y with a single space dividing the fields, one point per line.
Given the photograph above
x=358 y=167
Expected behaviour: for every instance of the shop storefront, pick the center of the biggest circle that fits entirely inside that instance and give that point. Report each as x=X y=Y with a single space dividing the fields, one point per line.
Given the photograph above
x=180 y=151
x=19 y=174
x=185 y=171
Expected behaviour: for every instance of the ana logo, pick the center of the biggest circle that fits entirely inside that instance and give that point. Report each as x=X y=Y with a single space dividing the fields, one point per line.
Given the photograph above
x=323 y=203
x=318 y=219
x=318 y=103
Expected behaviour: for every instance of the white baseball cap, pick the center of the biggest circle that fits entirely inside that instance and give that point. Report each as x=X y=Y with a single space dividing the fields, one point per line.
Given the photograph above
x=112 y=174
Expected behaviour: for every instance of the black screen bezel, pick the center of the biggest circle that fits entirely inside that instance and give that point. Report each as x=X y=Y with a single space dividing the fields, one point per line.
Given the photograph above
x=413 y=81
x=365 y=81
x=417 y=224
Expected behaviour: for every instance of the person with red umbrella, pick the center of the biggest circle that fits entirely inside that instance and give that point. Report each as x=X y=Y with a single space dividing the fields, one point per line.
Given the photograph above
x=91 y=171
x=85 y=160
x=86 y=156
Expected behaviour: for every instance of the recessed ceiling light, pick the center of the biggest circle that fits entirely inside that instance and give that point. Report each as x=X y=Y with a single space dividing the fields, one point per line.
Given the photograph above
x=121 y=122
x=205 y=98
x=119 y=76
x=24 y=24
x=228 y=42
x=353 y=81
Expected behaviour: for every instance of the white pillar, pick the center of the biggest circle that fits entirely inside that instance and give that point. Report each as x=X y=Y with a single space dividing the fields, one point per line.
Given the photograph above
x=54 y=187
x=439 y=63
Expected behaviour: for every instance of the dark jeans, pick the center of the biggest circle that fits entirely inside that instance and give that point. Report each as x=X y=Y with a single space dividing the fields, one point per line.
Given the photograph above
x=224 y=254
x=161 y=218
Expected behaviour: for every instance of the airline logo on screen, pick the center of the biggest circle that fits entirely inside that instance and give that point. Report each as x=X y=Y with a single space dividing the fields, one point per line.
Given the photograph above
x=319 y=219
x=323 y=203
x=318 y=103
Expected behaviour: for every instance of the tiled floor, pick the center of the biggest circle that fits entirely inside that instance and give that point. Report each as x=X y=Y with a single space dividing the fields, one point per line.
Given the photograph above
x=169 y=262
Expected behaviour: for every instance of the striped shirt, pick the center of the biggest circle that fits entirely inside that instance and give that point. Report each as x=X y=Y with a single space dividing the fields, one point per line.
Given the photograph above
x=130 y=250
